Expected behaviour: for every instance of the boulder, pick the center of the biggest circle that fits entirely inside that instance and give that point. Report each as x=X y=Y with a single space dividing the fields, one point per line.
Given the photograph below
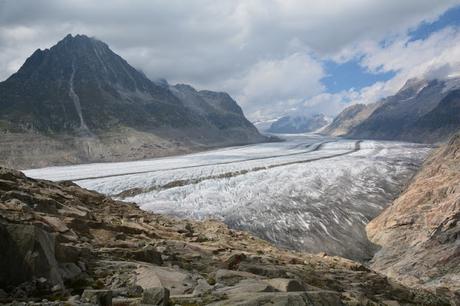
x=97 y=297
x=28 y=252
x=66 y=252
x=132 y=292
x=234 y=260
x=178 y=281
x=256 y=299
x=230 y=277
x=148 y=254
x=285 y=284
x=69 y=270
x=156 y=296
x=126 y=302
x=323 y=298
x=57 y=224
x=202 y=288
x=247 y=285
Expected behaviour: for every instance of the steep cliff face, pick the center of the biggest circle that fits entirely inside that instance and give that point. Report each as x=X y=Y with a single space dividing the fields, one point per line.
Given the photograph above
x=81 y=102
x=420 y=232
x=87 y=248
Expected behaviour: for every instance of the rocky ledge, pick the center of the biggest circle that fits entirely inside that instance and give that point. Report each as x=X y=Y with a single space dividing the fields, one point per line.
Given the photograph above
x=61 y=244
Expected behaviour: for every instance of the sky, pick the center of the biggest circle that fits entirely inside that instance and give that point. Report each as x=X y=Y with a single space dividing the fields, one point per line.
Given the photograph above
x=275 y=57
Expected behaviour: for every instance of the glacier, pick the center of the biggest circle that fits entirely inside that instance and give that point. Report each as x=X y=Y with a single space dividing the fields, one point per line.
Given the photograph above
x=308 y=193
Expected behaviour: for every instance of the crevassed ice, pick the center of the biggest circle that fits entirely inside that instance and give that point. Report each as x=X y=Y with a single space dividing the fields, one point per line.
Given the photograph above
x=308 y=193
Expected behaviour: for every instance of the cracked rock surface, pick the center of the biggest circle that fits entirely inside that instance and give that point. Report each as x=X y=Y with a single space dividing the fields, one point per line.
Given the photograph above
x=62 y=244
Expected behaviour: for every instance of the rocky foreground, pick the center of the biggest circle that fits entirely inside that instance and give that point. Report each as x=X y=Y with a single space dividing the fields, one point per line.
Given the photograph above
x=64 y=244
x=420 y=232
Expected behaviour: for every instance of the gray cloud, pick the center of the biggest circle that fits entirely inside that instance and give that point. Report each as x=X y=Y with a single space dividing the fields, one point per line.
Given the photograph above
x=264 y=52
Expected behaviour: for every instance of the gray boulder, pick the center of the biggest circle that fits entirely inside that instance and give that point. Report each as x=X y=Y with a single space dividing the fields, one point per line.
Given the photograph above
x=156 y=296
x=285 y=284
x=28 y=253
x=97 y=297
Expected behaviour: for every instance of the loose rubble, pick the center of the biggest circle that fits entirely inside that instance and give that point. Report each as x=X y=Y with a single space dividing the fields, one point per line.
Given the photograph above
x=64 y=245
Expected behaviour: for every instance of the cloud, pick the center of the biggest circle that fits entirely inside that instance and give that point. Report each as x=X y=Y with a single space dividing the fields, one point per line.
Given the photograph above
x=440 y=50
x=332 y=103
x=281 y=84
x=437 y=56
x=267 y=53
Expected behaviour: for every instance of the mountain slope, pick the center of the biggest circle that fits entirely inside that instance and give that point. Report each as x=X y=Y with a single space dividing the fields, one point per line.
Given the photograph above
x=216 y=109
x=298 y=124
x=422 y=111
x=413 y=114
x=80 y=84
x=87 y=247
x=441 y=121
x=80 y=96
x=419 y=233
x=348 y=119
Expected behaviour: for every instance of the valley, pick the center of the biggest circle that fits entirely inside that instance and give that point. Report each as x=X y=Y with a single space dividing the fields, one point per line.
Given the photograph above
x=230 y=153
x=308 y=193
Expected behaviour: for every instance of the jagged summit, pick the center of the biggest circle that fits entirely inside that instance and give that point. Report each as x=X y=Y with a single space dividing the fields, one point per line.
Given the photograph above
x=87 y=58
x=79 y=39
x=70 y=37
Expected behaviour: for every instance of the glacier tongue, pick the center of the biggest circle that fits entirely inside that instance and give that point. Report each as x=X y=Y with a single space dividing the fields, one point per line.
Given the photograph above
x=308 y=193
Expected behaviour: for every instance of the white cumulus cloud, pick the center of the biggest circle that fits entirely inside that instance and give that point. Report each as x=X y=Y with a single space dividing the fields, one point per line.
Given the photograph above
x=266 y=53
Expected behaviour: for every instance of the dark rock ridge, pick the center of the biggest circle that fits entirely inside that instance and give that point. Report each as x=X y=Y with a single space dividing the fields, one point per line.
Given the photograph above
x=422 y=111
x=217 y=108
x=420 y=232
x=80 y=89
x=298 y=124
x=72 y=246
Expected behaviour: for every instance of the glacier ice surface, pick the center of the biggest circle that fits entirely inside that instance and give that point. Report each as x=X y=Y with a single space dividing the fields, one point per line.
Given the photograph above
x=308 y=193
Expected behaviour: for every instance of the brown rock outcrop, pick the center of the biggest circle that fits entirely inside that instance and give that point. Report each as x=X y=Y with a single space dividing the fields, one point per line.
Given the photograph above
x=420 y=232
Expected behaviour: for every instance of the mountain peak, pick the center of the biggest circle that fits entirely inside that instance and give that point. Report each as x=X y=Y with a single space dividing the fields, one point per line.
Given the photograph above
x=75 y=73
x=77 y=37
x=79 y=41
x=82 y=88
x=69 y=37
x=84 y=59
x=414 y=84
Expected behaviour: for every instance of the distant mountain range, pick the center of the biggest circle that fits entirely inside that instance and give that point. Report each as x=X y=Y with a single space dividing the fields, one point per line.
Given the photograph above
x=298 y=124
x=422 y=111
x=80 y=102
